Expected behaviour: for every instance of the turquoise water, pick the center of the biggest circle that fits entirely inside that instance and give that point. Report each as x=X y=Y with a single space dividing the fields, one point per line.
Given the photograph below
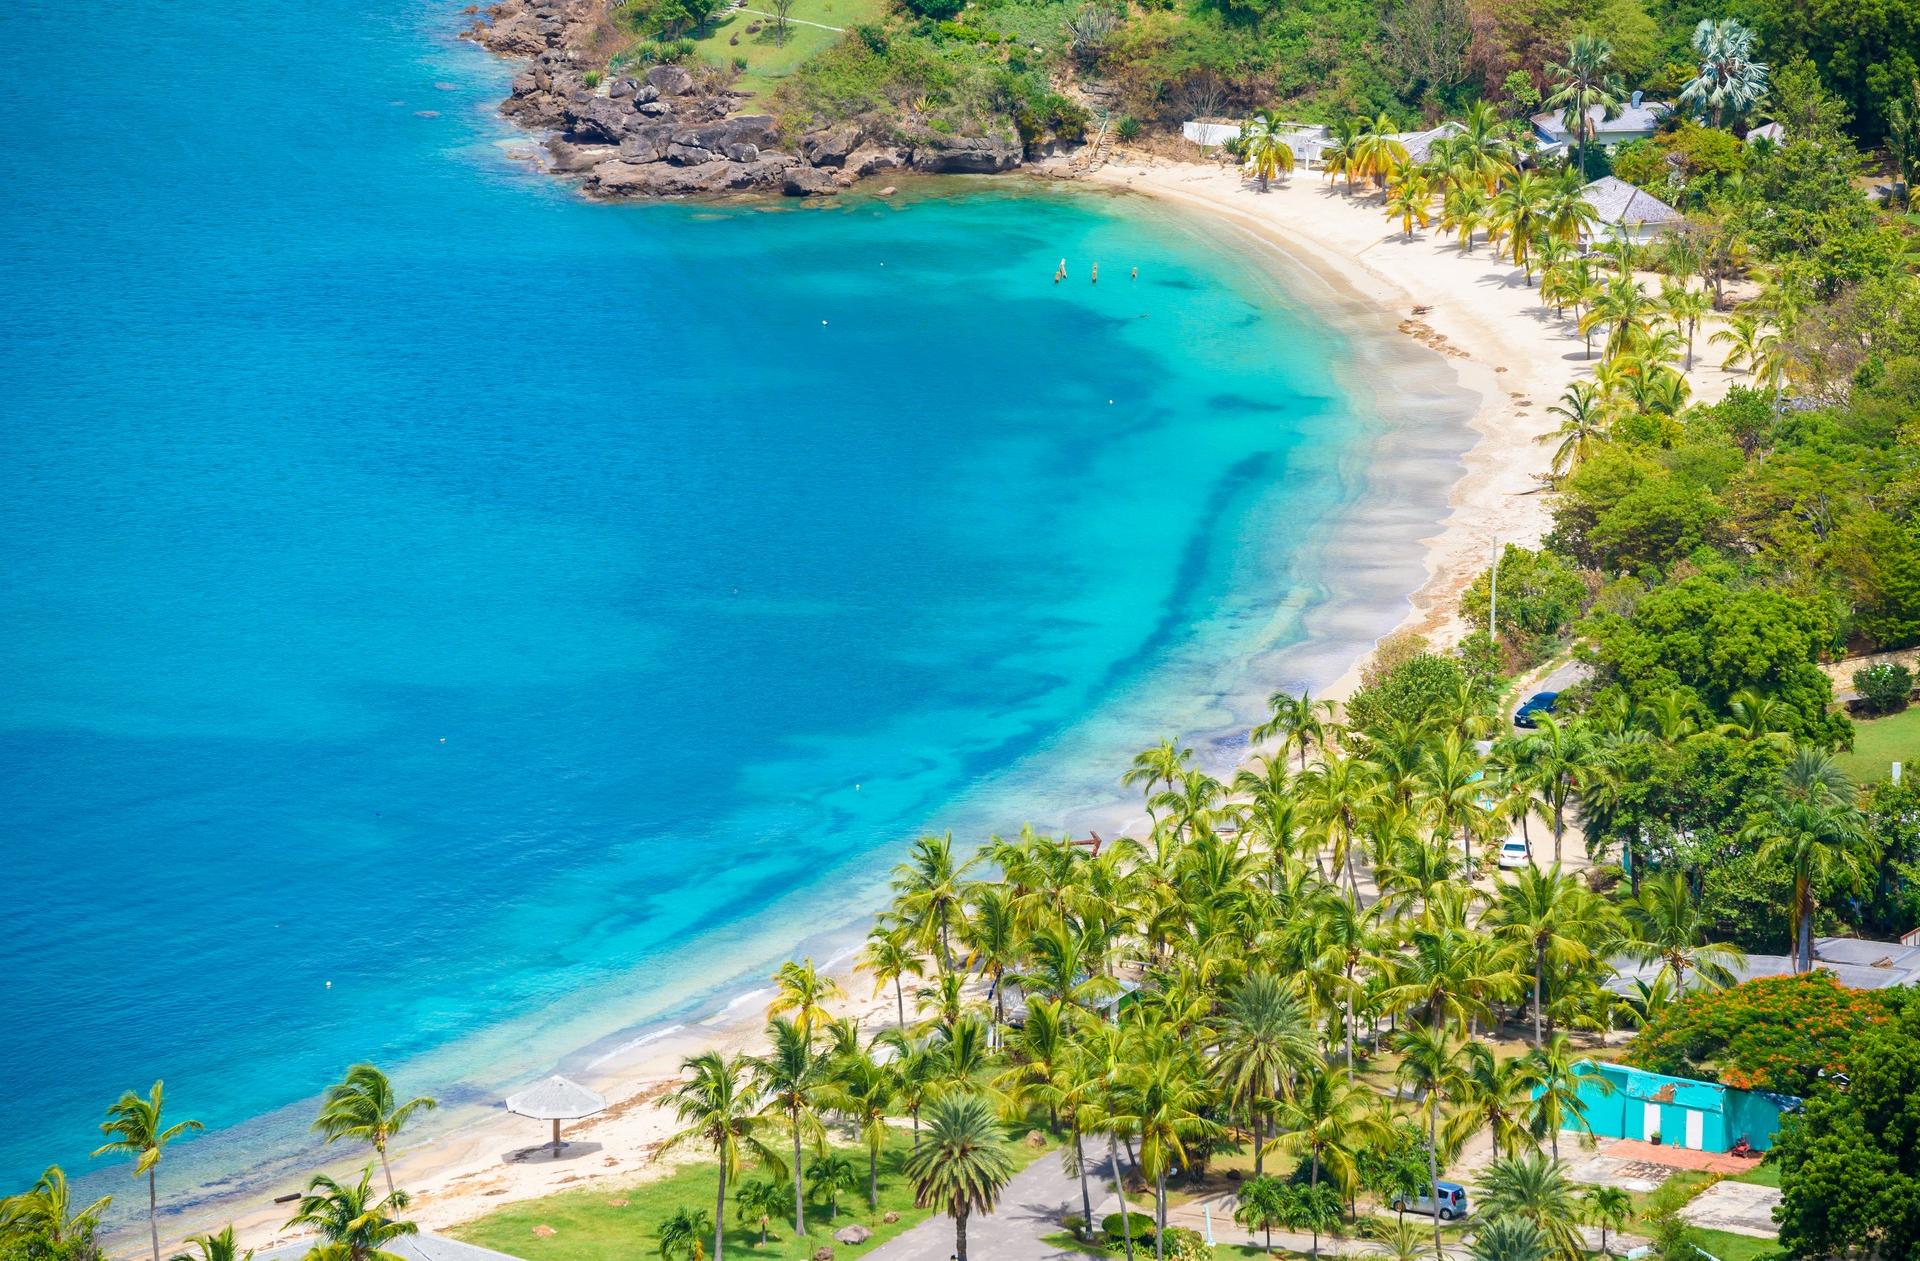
x=530 y=616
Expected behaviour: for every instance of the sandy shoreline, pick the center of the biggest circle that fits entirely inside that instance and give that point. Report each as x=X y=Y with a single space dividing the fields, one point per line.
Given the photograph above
x=1485 y=329
x=1480 y=314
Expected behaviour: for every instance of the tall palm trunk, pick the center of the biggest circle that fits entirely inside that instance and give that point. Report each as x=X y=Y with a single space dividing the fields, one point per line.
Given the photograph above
x=1433 y=1172
x=900 y=1001
x=1160 y=1215
x=1539 y=968
x=720 y=1212
x=873 y=1178
x=960 y=1235
x=799 y=1193
x=381 y=1147
x=153 y=1208
x=1086 y=1196
x=1120 y=1193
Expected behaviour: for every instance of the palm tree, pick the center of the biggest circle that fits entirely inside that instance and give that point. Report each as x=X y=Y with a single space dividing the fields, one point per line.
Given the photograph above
x=1483 y=148
x=1586 y=418
x=1686 y=308
x=1464 y=210
x=1164 y=763
x=220 y=1245
x=1410 y=200
x=1813 y=775
x=1516 y=218
x=790 y=1079
x=832 y=1173
x=804 y=992
x=1537 y=1190
x=929 y=890
x=1567 y=212
x=1584 y=83
x=1267 y=155
x=761 y=1200
x=1608 y=1208
x=1262 y=1205
x=888 y=958
x=355 y=1226
x=1666 y=926
x=1627 y=313
x=361 y=1106
x=1300 y=721
x=1165 y=1097
x=1435 y=1068
x=1377 y=150
x=1559 y=1074
x=1550 y=915
x=719 y=1108
x=864 y=1091
x=964 y=1164
x=1730 y=80
x=1495 y=1095
x=1821 y=844
x=1508 y=1239
x=47 y=1209
x=135 y=1127
x=682 y=1231
x=1749 y=342
x=1323 y=1122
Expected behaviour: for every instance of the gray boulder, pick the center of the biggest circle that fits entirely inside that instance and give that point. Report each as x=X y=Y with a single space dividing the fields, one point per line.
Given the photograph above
x=809 y=181
x=965 y=155
x=869 y=158
x=670 y=80
x=829 y=147
x=571 y=159
x=854 y=1234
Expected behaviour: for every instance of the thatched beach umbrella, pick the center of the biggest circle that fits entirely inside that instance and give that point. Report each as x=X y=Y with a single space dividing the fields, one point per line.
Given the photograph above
x=556 y=1099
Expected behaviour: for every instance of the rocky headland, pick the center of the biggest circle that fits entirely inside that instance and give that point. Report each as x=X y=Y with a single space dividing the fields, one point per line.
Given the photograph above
x=670 y=132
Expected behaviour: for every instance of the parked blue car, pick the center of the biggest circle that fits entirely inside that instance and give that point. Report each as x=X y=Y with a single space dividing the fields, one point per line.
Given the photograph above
x=1538 y=703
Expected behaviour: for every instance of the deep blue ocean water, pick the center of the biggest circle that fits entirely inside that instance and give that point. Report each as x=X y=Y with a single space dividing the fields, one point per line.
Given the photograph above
x=527 y=615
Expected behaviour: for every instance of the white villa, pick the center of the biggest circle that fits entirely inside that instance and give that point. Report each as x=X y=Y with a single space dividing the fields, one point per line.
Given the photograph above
x=1626 y=213
x=1635 y=121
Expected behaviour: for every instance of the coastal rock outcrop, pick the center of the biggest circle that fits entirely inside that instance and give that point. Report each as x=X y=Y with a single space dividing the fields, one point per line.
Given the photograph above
x=673 y=131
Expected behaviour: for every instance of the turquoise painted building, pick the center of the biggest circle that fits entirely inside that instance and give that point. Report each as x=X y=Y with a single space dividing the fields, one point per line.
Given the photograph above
x=1684 y=1113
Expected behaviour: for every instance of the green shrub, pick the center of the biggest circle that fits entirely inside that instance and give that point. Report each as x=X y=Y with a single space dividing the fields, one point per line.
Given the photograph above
x=1128 y=128
x=938 y=10
x=1141 y=1225
x=591 y=78
x=1885 y=687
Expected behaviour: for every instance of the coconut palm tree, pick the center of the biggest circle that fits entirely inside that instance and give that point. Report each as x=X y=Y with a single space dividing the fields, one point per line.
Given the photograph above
x=1551 y=916
x=1822 y=845
x=1378 y=151
x=719 y=1108
x=1730 y=81
x=1410 y=200
x=1535 y=1189
x=1686 y=307
x=1586 y=81
x=887 y=958
x=1494 y=1094
x=1567 y=212
x=1666 y=926
x=831 y=1173
x=680 y=1234
x=1164 y=763
x=47 y=1209
x=220 y=1245
x=1324 y=1123
x=964 y=1164
x=1463 y=210
x=789 y=1080
x=1267 y=155
x=760 y=1200
x=361 y=1106
x=1164 y=1096
x=1559 y=1074
x=1436 y=1069
x=1300 y=721
x=1483 y=149
x=1749 y=343
x=1608 y=1208
x=135 y=1127
x=864 y=1091
x=354 y=1225
x=1515 y=218
x=800 y=989
x=1627 y=313
x=930 y=889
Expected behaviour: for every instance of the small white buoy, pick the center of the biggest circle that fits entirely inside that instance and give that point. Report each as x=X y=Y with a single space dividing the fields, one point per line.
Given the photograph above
x=823 y=323
x=443 y=739
x=329 y=984
x=856 y=788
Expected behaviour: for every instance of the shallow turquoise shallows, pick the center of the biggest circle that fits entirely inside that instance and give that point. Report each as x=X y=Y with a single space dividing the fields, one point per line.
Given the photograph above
x=448 y=623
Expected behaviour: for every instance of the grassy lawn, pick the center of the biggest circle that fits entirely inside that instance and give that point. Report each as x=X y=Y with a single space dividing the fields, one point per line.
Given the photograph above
x=1679 y=1188
x=1762 y=1175
x=1731 y=1247
x=769 y=61
x=610 y=1222
x=1877 y=742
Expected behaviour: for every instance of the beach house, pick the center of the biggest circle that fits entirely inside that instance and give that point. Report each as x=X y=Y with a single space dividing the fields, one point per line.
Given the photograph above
x=1625 y=213
x=1635 y=120
x=1680 y=1112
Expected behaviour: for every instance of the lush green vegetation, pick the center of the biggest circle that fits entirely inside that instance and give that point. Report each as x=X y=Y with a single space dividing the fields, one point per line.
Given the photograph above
x=766 y=51
x=1880 y=742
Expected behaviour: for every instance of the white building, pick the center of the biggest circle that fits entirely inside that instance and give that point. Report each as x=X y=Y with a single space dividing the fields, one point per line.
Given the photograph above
x=1636 y=120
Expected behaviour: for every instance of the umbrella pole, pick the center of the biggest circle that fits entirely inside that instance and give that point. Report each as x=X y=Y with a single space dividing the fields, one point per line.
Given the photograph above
x=556 y=1136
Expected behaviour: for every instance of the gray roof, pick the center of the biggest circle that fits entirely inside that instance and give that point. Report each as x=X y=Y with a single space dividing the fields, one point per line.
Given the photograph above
x=1629 y=120
x=556 y=1099
x=420 y=1247
x=1772 y=131
x=1618 y=202
x=1420 y=143
x=1854 y=962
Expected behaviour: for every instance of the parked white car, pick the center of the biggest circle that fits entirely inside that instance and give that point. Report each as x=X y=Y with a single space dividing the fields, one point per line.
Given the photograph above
x=1514 y=855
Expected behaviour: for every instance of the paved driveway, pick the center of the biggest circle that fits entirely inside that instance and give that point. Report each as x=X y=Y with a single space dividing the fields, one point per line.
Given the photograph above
x=1740 y=1207
x=1032 y=1206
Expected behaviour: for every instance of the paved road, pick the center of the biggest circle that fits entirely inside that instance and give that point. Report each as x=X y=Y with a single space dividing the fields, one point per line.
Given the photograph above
x=1034 y=1202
